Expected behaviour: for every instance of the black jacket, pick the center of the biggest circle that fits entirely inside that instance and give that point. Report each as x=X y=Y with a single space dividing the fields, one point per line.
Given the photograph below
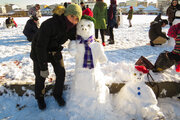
x=171 y=12
x=112 y=22
x=49 y=38
x=156 y=30
x=30 y=29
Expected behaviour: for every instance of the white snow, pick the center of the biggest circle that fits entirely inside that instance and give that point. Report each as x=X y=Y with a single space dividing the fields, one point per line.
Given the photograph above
x=130 y=44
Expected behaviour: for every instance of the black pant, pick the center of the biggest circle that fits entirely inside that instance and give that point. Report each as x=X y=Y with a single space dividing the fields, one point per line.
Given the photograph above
x=58 y=65
x=111 y=34
x=101 y=32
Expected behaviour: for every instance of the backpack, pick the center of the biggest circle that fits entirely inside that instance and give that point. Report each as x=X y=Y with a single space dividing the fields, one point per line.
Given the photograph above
x=163 y=62
x=142 y=61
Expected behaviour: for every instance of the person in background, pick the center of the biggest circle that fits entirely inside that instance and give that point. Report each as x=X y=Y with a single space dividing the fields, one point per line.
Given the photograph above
x=31 y=28
x=35 y=11
x=65 y=4
x=87 y=11
x=171 y=11
x=157 y=37
x=58 y=10
x=158 y=18
x=174 y=32
x=100 y=15
x=112 y=20
x=82 y=6
x=130 y=15
x=9 y=22
x=14 y=23
x=46 y=47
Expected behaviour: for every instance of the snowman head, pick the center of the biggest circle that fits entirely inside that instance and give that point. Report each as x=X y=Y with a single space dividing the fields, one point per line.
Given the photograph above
x=85 y=28
x=140 y=72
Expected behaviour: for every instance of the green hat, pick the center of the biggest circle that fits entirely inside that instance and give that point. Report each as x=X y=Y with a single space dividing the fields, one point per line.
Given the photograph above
x=73 y=9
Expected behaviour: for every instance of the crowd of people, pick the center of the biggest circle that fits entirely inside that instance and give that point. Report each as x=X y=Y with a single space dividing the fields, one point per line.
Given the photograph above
x=47 y=39
x=10 y=22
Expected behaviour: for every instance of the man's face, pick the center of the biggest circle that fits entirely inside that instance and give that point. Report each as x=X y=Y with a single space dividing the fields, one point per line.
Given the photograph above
x=37 y=7
x=73 y=19
x=174 y=3
x=82 y=5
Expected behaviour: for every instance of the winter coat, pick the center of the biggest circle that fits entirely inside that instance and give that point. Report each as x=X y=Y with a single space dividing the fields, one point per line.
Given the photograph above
x=100 y=15
x=34 y=12
x=83 y=8
x=130 y=14
x=30 y=29
x=9 y=22
x=15 y=24
x=174 y=32
x=158 y=18
x=112 y=16
x=171 y=12
x=156 y=30
x=49 y=38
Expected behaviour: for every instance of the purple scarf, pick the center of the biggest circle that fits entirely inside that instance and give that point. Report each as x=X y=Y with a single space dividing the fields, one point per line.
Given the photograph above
x=88 y=58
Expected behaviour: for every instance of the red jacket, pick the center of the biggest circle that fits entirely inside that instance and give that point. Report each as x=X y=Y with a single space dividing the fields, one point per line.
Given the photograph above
x=174 y=31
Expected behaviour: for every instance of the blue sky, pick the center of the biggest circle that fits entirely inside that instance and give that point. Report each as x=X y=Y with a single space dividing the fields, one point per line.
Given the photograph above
x=23 y=3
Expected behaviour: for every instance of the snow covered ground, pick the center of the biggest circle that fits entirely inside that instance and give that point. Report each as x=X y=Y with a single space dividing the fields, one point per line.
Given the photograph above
x=130 y=44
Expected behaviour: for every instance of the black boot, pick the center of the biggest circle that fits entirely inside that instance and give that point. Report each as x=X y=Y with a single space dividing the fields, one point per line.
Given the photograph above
x=41 y=103
x=111 y=42
x=151 y=43
x=109 y=39
x=60 y=101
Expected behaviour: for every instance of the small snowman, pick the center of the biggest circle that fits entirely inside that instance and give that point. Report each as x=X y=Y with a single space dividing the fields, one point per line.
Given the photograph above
x=138 y=100
x=88 y=54
x=171 y=42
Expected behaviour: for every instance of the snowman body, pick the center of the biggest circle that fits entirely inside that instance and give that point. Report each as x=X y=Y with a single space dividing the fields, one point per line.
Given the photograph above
x=139 y=101
x=85 y=81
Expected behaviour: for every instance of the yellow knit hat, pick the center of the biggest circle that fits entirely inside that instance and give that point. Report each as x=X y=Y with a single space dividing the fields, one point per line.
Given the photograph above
x=59 y=10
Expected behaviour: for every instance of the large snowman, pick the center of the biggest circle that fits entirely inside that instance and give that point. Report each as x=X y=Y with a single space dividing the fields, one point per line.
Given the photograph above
x=137 y=100
x=88 y=54
x=89 y=94
x=171 y=42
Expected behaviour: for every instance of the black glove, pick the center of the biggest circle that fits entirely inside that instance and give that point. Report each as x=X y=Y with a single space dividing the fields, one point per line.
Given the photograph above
x=168 y=38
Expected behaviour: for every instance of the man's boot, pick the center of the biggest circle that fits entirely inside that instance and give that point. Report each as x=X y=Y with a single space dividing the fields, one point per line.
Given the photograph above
x=111 y=41
x=41 y=103
x=60 y=101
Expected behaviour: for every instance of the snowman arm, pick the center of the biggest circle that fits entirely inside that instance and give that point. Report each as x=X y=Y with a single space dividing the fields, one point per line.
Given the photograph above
x=72 y=47
x=101 y=54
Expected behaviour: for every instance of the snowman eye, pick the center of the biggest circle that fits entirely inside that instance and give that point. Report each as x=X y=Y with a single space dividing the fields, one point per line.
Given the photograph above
x=81 y=25
x=89 y=25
